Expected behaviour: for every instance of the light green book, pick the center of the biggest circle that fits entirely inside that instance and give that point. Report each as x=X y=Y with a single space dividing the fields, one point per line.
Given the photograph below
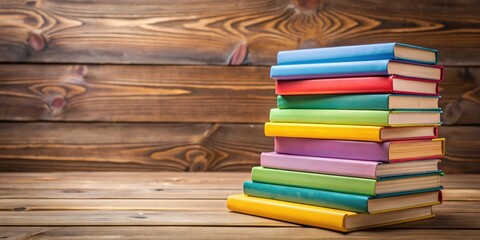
x=381 y=187
x=356 y=117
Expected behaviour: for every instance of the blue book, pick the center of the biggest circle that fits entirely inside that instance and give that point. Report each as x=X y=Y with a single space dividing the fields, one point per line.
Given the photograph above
x=343 y=201
x=356 y=69
x=378 y=51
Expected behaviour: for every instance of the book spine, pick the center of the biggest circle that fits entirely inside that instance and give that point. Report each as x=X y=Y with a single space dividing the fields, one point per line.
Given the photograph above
x=333 y=166
x=330 y=116
x=359 y=150
x=323 y=131
x=359 y=85
x=361 y=186
x=337 y=54
x=344 y=201
x=289 y=212
x=352 y=102
x=330 y=70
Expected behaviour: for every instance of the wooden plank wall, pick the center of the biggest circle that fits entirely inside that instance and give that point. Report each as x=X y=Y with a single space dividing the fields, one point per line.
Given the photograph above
x=184 y=85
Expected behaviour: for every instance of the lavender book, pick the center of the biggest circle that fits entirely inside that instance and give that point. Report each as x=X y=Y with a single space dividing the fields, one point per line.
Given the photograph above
x=393 y=151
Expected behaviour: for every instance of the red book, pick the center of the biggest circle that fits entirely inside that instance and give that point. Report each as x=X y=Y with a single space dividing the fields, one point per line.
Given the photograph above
x=381 y=84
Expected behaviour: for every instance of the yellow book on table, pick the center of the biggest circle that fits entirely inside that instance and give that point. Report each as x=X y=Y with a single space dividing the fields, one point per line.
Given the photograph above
x=348 y=132
x=339 y=220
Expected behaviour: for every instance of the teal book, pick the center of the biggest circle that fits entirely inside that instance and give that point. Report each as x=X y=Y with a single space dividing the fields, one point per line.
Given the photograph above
x=381 y=187
x=343 y=201
x=356 y=117
x=359 y=102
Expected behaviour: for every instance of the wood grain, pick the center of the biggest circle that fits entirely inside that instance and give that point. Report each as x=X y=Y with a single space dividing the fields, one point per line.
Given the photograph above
x=175 y=93
x=135 y=93
x=462 y=149
x=165 y=180
x=222 y=233
x=160 y=193
x=123 y=204
x=151 y=193
x=460 y=93
x=195 y=218
x=166 y=185
x=233 y=32
x=168 y=205
x=169 y=147
x=33 y=211
x=146 y=218
x=161 y=217
x=145 y=147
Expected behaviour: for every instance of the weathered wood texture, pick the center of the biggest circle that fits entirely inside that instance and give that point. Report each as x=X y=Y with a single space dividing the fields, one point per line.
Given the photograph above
x=171 y=185
x=462 y=149
x=227 y=32
x=148 y=147
x=173 y=116
x=171 y=147
x=175 y=93
x=135 y=93
x=461 y=96
x=222 y=233
x=137 y=210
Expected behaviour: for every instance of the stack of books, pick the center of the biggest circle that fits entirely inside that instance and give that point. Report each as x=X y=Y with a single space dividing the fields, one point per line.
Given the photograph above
x=355 y=139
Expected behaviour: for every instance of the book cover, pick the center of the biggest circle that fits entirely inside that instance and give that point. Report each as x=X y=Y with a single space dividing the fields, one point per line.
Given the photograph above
x=334 y=166
x=347 y=69
x=360 y=150
x=319 y=216
x=337 y=200
x=353 y=185
x=348 y=53
x=349 y=102
x=349 y=85
x=329 y=199
x=342 y=132
x=356 y=117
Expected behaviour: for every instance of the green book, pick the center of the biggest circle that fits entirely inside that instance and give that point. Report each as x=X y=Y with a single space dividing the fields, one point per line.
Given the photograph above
x=356 y=117
x=382 y=187
x=360 y=102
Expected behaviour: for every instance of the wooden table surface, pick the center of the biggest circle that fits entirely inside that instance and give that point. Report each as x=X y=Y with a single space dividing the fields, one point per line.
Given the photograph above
x=166 y=205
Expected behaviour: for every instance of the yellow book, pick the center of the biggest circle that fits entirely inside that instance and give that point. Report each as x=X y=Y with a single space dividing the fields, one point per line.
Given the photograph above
x=328 y=218
x=348 y=132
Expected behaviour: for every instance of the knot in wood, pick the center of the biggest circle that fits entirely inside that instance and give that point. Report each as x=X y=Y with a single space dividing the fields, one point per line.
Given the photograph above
x=80 y=70
x=58 y=102
x=309 y=43
x=307 y=4
x=139 y=216
x=452 y=113
x=20 y=209
x=30 y=3
x=239 y=54
x=36 y=41
x=198 y=159
x=466 y=74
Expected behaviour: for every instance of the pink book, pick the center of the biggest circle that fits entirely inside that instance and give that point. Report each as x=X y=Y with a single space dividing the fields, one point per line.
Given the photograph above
x=346 y=167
